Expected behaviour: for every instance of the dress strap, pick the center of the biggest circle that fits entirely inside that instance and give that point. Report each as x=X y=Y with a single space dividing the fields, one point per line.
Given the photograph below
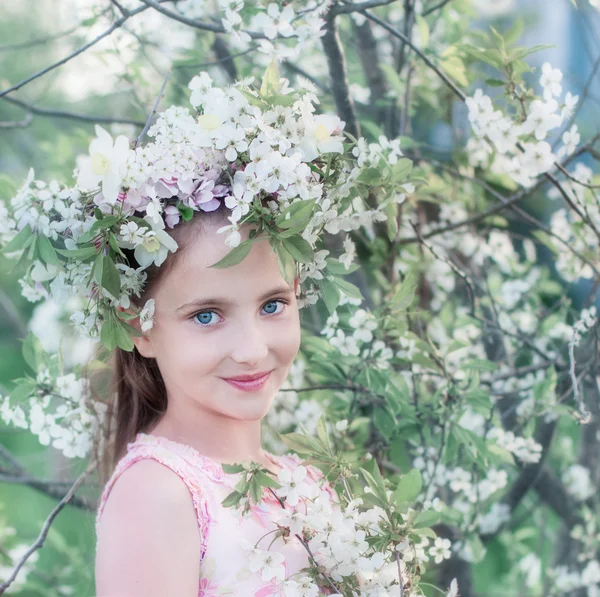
x=160 y=453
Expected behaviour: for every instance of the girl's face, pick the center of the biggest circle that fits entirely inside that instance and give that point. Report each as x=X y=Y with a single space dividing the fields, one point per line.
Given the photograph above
x=212 y=323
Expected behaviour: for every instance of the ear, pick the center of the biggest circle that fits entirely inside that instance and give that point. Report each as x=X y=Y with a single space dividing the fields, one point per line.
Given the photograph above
x=143 y=343
x=296 y=281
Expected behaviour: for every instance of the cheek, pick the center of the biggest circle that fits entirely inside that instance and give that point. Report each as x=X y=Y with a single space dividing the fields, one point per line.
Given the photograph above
x=288 y=340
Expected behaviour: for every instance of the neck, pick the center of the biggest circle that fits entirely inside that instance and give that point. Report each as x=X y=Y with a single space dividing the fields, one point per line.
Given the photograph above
x=223 y=439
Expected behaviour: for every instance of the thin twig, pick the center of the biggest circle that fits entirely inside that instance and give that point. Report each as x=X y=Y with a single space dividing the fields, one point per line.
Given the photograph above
x=359 y=6
x=42 y=536
x=82 y=49
x=71 y=115
x=436 y=7
x=147 y=125
x=412 y=46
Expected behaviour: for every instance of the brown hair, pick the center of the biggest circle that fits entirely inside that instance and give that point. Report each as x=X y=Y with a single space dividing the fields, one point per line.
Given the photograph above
x=137 y=396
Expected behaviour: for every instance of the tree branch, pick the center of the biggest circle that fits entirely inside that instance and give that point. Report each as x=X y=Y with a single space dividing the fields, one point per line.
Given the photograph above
x=338 y=74
x=83 y=48
x=418 y=52
x=71 y=115
x=360 y=6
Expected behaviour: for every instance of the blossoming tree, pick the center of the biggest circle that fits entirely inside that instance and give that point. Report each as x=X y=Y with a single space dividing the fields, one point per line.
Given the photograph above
x=448 y=389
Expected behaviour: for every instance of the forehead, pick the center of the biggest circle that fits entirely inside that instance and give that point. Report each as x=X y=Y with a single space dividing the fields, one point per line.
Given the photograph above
x=192 y=277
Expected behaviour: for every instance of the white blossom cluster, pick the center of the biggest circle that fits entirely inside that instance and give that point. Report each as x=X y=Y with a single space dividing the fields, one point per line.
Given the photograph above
x=71 y=426
x=497 y=135
x=301 y=22
x=337 y=539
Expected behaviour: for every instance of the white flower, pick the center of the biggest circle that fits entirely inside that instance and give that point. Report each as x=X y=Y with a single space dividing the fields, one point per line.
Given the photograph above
x=106 y=164
x=147 y=316
x=269 y=563
x=550 y=81
x=569 y=106
x=350 y=252
x=571 y=140
x=156 y=244
x=233 y=238
x=578 y=482
x=293 y=485
x=440 y=550
x=542 y=118
x=274 y=21
x=320 y=136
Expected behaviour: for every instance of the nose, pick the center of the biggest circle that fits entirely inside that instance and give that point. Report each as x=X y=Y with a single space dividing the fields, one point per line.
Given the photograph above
x=250 y=346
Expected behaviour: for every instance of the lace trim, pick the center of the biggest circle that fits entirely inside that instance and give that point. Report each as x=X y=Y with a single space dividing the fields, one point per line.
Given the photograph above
x=212 y=469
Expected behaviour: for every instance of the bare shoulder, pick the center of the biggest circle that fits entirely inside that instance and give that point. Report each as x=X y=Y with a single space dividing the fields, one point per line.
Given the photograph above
x=148 y=539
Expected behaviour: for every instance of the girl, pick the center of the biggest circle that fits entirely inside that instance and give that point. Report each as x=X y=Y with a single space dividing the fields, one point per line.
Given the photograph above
x=191 y=397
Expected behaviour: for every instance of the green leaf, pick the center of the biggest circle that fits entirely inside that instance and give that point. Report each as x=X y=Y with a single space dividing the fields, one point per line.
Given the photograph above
x=111 y=280
x=232 y=499
x=377 y=487
x=456 y=69
x=232 y=468
x=330 y=294
x=299 y=249
x=20 y=241
x=83 y=253
x=235 y=256
x=384 y=422
x=480 y=364
x=349 y=289
x=187 y=213
x=123 y=332
x=32 y=349
x=370 y=176
x=22 y=391
x=267 y=481
x=426 y=519
x=489 y=56
x=409 y=486
x=495 y=82
x=299 y=214
x=391 y=211
x=252 y=99
x=405 y=292
x=301 y=443
x=337 y=268
x=520 y=53
x=255 y=490
x=107 y=334
x=423 y=28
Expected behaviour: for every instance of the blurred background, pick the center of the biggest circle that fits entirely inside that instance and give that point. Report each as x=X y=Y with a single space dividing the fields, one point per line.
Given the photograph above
x=47 y=122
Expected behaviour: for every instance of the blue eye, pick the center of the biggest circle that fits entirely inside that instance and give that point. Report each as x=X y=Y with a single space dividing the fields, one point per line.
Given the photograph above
x=206 y=315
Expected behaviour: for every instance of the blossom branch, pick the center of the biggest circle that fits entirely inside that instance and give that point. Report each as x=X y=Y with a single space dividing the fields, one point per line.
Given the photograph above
x=280 y=501
x=46 y=527
x=80 y=50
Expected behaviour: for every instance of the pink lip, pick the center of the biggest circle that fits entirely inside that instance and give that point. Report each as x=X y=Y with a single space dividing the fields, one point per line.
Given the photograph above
x=247 y=377
x=254 y=383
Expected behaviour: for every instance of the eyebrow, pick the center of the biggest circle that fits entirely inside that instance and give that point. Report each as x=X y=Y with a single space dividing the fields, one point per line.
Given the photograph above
x=210 y=302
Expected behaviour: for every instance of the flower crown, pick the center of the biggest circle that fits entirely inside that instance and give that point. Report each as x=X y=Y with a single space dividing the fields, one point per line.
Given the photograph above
x=264 y=153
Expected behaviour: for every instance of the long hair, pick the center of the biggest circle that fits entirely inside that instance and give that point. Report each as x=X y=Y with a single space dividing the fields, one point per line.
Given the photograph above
x=137 y=396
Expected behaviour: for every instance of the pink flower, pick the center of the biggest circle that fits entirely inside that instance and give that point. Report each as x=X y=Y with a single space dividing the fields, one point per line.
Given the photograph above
x=208 y=588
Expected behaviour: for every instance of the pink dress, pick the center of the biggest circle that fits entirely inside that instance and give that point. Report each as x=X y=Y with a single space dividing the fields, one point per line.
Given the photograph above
x=224 y=563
